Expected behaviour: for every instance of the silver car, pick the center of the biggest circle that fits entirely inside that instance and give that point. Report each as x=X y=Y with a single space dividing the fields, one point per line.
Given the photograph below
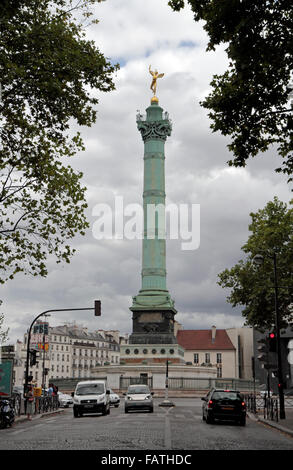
x=138 y=397
x=114 y=399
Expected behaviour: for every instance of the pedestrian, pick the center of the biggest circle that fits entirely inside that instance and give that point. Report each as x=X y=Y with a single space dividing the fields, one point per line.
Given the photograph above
x=50 y=391
x=29 y=402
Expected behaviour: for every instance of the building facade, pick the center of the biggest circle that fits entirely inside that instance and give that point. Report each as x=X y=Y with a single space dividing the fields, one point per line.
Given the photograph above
x=72 y=353
x=229 y=351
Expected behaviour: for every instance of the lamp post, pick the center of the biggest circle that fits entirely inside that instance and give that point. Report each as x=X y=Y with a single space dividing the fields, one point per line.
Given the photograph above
x=258 y=260
x=167 y=403
x=96 y=308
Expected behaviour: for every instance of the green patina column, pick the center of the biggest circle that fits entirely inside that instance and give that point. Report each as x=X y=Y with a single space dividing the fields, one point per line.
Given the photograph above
x=153 y=309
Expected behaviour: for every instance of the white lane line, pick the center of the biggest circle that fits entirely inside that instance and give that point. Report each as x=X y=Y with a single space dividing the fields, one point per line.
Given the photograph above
x=168 y=441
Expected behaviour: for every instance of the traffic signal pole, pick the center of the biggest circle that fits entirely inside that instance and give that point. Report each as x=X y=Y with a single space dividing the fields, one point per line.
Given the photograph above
x=280 y=368
x=96 y=308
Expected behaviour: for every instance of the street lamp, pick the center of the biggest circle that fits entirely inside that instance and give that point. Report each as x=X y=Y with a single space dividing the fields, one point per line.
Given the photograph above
x=167 y=403
x=258 y=260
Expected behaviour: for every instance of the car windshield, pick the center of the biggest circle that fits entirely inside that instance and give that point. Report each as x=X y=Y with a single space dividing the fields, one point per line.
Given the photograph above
x=222 y=395
x=138 y=389
x=91 y=389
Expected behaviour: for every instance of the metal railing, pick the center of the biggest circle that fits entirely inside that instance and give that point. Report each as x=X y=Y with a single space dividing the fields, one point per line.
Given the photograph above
x=268 y=406
x=46 y=404
x=271 y=409
x=126 y=381
x=42 y=404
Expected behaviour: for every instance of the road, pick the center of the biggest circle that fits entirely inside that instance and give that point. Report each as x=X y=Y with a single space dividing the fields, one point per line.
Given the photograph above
x=178 y=428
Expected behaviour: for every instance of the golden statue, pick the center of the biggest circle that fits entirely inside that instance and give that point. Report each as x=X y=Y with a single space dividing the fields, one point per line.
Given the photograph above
x=153 y=86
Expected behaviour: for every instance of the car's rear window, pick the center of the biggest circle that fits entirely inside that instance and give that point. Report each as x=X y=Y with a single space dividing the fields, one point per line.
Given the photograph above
x=220 y=395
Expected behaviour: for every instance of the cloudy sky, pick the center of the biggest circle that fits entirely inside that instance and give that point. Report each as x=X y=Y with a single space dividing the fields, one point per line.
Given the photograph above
x=137 y=34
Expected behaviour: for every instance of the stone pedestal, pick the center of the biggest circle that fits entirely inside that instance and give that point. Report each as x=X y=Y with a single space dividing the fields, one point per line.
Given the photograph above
x=151 y=353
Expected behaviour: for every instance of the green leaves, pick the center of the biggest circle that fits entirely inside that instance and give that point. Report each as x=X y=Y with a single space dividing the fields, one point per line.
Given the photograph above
x=250 y=101
x=253 y=287
x=48 y=71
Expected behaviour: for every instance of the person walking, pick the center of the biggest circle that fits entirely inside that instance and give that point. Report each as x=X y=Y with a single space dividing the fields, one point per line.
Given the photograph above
x=29 y=402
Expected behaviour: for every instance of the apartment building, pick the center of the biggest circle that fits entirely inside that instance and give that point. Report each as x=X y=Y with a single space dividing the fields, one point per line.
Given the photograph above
x=229 y=350
x=72 y=352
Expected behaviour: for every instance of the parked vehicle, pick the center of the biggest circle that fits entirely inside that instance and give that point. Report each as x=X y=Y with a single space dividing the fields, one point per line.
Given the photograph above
x=18 y=389
x=7 y=414
x=114 y=399
x=224 y=405
x=64 y=400
x=138 y=397
x=91 y=396
x=289 y=392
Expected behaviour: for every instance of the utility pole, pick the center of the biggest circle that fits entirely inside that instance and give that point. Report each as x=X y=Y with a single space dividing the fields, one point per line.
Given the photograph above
x=280 y=366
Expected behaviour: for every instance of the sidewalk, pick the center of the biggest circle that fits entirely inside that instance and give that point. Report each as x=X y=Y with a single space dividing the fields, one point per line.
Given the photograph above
x=21 y=418
x=284 y=425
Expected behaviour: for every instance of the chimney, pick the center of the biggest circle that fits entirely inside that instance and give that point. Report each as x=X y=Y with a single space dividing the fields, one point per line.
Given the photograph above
x=214 y=329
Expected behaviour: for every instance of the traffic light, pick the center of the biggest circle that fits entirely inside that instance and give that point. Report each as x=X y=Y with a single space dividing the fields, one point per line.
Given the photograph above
x=33 y=357
x=263 y=349
x=272 y=341
x=97 y=308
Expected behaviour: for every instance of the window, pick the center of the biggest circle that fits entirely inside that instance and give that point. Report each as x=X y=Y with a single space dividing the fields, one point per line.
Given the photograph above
x=195 y=358
x=219 y=358
x=207 y=358
x=219 y=371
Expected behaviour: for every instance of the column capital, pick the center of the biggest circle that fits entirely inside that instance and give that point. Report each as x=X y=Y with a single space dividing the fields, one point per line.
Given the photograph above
x=154 y=130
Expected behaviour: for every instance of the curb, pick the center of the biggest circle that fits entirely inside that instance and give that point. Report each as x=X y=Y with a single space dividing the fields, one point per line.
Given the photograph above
x=21 y=419
x=272 y=424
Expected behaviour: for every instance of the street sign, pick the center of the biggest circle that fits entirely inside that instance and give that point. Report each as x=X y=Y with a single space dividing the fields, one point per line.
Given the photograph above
x=6 y=369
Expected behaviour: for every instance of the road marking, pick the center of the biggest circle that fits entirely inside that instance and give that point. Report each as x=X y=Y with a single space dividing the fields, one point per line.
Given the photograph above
x=17 y=432
x=168 y=441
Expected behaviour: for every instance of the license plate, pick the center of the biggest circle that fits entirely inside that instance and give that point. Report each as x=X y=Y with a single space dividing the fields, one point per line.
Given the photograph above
x=227 y=407
x=88 y=406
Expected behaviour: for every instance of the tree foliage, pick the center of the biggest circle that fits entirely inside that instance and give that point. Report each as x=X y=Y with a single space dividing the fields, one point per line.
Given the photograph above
x=253 y=287
x=48 y=71
x=250 y=102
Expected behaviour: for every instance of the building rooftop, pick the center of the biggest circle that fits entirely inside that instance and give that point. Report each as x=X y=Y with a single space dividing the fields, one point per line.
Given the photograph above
x=203 y=340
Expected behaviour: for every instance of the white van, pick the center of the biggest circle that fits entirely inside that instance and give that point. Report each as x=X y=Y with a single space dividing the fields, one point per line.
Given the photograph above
x=91 y=396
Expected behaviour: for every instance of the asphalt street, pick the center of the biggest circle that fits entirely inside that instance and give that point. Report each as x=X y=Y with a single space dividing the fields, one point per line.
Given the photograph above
x=177 y=428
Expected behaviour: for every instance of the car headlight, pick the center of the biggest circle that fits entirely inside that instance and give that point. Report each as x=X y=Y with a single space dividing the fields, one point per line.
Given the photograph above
x=147 y=397
x=128 y=398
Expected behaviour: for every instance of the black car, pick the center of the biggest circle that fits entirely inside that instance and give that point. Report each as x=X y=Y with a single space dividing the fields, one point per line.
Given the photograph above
x=224 y=405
